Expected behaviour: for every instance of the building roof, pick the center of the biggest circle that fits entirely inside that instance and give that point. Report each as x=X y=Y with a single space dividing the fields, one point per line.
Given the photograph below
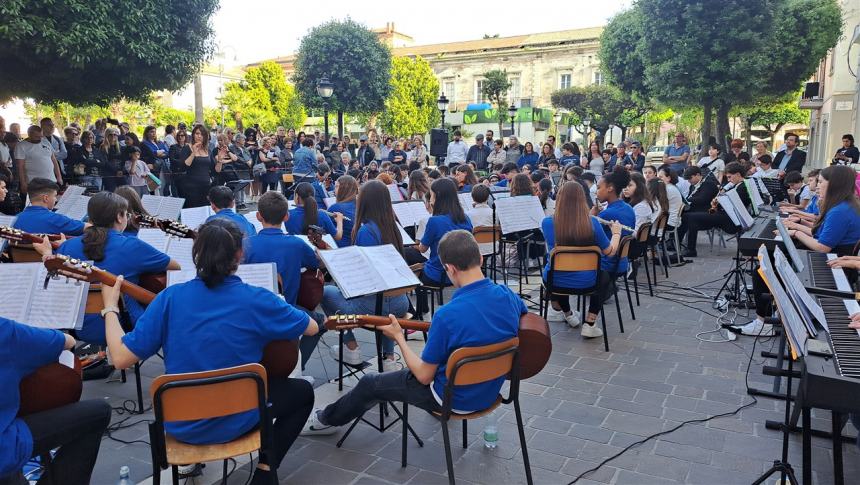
x=498 y=43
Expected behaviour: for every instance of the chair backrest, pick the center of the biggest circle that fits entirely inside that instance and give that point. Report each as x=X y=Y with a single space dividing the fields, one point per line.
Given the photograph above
x=643 y=232
x=660 y=224
x=487 y=234
x=624 y=247
x=210 y=394
x=473 y=365
x=575 y=258
x=288 y=178
x=95 y=303
x=417 y=268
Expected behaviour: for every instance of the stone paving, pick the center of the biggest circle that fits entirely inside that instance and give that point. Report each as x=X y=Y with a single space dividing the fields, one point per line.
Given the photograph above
x=585 y=406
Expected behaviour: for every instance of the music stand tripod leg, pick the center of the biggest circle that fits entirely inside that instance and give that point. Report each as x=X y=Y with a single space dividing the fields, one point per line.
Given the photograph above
x=782 y=465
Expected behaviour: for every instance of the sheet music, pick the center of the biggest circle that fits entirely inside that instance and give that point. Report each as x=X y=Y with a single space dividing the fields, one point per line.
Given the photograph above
x=196 y=216
x=519 y=213
x=411 y=213
x=352 y=273
x=179 y=249
x=806 y=304
x=795 y=329
x=264 y=275
x=61 y=305
x=744 y=216
x=797 y=262
x=67 y=358
x=16 y=289
x=175 y=277
x=151 y=203
x=6 y=221
x=71 y=192
x=757 y=201
x=155 y=238
x=327 y=238
x=163 y=207
x=76 y=208
x=839 y=275
x=853 y=307
x=329 y=201
x=407 y=241
x=396 y=194
x=466 y=201
x=391 y=266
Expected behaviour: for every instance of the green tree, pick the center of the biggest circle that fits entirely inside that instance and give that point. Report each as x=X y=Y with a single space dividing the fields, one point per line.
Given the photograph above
x=264 y=96
x=353 y=58
x=621 y=61
x=603 y=105
x=770 y=115
x=495 y=89
x=87 y=52
x=411 y=105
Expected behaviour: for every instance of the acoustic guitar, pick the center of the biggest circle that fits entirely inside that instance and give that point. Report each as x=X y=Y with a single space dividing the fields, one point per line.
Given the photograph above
x=535 y=341
x=50 y=387
x=21 y=237
x=279 y=356
x=169 y=226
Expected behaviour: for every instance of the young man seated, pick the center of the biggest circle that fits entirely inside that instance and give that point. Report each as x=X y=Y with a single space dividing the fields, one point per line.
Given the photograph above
x=223 y=202
x=39 y=218
x=479 y=313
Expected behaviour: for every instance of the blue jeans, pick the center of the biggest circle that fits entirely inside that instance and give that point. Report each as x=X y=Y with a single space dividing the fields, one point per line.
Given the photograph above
x=307 y=343
x=333 y=302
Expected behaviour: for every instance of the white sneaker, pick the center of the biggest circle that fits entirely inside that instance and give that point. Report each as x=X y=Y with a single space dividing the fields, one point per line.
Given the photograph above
x=574 y=319
x=591 y=331
x=350 y=356
x=757 y=328
x=389 y=365
x=314 y=427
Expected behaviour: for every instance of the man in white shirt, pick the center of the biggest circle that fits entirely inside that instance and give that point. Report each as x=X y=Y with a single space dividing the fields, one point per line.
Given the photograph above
x=35 y=158
x=456 y=151
x=60 y=152
x=556 y=150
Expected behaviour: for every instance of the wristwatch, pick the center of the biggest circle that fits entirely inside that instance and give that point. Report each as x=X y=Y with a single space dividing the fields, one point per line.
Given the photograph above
x=107 y=310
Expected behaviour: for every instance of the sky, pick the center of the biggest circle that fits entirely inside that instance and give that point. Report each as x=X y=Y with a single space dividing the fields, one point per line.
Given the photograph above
x=253 y=30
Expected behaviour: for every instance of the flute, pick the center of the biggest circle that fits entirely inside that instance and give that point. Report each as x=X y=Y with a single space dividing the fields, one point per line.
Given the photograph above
x=331 y=214
x=609 y=223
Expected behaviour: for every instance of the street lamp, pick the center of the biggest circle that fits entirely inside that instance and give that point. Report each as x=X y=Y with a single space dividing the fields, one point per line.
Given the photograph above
x=442 y=104
x=557 y=118
x=325 y=89
x=512 y=114
x=586 y=126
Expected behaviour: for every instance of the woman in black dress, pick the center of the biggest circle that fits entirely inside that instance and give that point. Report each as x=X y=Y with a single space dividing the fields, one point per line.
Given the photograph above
x=178 y=153
x=198 y=168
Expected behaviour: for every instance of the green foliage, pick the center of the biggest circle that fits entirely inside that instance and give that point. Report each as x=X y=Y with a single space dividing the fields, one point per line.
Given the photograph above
x=264 y=97
x=603 y=105
x=772 y=115
x=620 y=59
x=137 y=114
x=356 y=62
x=87 y=52
x=411 y=105
x=495 y=89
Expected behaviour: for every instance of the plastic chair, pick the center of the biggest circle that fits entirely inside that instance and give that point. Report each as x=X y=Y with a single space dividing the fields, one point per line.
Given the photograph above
x=204 y=395
x=639 y=251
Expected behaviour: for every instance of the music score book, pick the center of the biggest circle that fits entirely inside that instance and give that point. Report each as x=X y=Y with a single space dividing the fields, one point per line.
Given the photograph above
x=807 y=305
x=519 y=213
x=734 y=207
x=360 y=271
x=466 y=201
x=195 y=216
x=795 y=329
x=163 y=207
x=24 y=298
x=752 y=190
x=179 y=249
x=263 y=275
x=329 y=201
x=410 y=212
x=70 y=193
x=75 y=207
x=396 y=194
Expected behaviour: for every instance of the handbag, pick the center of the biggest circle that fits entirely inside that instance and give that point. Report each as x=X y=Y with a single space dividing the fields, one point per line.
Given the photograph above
x=259 y=169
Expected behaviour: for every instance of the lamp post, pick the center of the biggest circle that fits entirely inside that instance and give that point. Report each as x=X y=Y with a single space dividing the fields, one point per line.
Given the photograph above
x=442 y=104
x=325 y=89
x=586 y=125
x=512 y=114
x=557 y=118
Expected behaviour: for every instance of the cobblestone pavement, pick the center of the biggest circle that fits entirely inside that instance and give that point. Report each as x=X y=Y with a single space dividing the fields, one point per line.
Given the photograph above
x=585 y=406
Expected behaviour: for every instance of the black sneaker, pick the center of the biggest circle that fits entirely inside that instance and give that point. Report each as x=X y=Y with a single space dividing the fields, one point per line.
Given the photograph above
x=689 y=254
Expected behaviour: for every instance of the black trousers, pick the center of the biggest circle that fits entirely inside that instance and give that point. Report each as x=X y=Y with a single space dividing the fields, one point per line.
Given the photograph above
x=595 y=302
x=290 y=403
x=702 y=221
x=372 y=389
x=421 y=296
x=76 y=429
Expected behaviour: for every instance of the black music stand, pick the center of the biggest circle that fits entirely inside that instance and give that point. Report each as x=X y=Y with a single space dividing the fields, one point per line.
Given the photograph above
x=736 y=277
x=775 y=188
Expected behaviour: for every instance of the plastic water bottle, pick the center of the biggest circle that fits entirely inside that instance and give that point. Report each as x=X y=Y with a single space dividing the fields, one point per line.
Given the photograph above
x=123 y=476
x=491 y=433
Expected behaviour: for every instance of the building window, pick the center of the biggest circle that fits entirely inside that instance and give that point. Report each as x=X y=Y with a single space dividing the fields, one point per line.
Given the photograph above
x=564 y=81
x=597 y=78
x=479 y=91
x=449 y=91
x=514 y=91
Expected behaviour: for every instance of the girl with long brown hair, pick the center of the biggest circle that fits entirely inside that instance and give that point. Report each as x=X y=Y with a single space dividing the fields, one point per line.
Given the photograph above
x=838 y=226
x=346 y=192
x=135 y=207
x=571 y=225
x=419 y=185
x=307 y=213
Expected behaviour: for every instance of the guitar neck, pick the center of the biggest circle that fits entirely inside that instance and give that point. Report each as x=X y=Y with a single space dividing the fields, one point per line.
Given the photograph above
x=378 y=321
x=137 y=292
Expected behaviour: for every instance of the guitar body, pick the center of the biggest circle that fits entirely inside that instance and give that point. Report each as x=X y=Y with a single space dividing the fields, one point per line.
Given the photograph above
x=154 y=282
x=310 y=289
x=50 y=387
x=280 y=357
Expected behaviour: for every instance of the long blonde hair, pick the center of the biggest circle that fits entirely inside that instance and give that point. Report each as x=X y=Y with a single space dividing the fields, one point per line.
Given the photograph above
x=571 y=221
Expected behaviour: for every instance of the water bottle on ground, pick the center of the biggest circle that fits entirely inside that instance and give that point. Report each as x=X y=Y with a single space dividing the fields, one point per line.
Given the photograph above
x=124 y=476
x=491 y=432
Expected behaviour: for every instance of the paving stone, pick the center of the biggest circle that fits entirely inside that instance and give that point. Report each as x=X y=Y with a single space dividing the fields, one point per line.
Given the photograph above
x=575 y=467
x=633 y=423
x=391 y=470
x=664 y=467
x=591 y=433
x=314 y=472
x=683 y=452
x=619 y=392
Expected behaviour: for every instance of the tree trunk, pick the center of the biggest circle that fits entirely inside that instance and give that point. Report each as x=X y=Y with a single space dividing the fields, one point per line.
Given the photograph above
x=599 y=135
x=339 y=124
x=723 y=129
x=707 y=105
x=623 y=132
x=748 y=137
x=198 y=100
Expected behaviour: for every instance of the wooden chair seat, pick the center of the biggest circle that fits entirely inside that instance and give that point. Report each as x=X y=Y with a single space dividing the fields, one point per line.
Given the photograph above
x=287 y=178
x=473 y=415
x=179 y=453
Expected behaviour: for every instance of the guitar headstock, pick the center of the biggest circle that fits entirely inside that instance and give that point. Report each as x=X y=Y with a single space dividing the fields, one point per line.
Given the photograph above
x=174 y=228
x=12 y=234
x=315 y=236
x=146 y=221
x=343 y=321
x=61 y=265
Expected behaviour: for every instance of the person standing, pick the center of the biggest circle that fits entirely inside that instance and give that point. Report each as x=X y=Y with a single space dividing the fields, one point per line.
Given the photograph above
x=198 y=167
x=35 y=158
x=497 y=156
x=790 y=159
x=456 y=153
x=61 y=153
x=478 y=153
x=847 y=154
x=365 y=153
x=677 y=155
x=88 y=161
x=513 y=151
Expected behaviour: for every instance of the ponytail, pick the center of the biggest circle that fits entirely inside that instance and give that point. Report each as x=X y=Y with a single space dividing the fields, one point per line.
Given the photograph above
x=103 y=210
x=215 y=250
x=305 y=192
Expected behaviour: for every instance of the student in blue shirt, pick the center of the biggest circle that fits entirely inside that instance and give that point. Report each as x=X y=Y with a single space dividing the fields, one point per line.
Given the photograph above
x=307 y=213
x=110 y=249
x=838 y=226
x=346 y=191
x=509 y=170
x=568 y=155
x=479 y=313
x=289 y=253
x=571 y=225
x=465 y=177
x=212 y=322
x=375 y=226
x=447 y=215
x=609 y=190
x=76 y=429
x=38 y=218
x=223 y=203
x=320 y=182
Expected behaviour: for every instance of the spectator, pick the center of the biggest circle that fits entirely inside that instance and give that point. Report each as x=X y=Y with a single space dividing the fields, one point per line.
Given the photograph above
x=567 y=155
x=350 y=146
x=178 y=153
x=267 y=156
x=305 y=161
x=456 y=153
x=529 y=157
x=677 y=155
x=497 y=156
x=88 y=162
x=620 y=158
x=637 y=156
x=791 y=158
x=736 y=152
x=513 y=151
x=594 y=153
x=57 y=145
x=365 y=153
x=154 y=154
x=35 y=158
x=114 y=171
x=396 y=155
x=547 y=153
x=138 y=171
x=556 y=150
x=848 y=153
x=386 y=148
x=478 y=153
x=760 y=150
x=418 y=152
x=169 y=137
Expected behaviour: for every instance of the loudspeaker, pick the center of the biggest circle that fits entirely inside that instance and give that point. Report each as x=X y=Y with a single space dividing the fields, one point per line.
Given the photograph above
x=811 y=90
x=438 y=142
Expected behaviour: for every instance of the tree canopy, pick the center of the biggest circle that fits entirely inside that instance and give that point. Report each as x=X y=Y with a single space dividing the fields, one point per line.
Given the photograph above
x=356 y=62
x=495 y=88
x=411 y=106
x=603 y=105
x=85 y=52
x=620 y=62
x=264 y=96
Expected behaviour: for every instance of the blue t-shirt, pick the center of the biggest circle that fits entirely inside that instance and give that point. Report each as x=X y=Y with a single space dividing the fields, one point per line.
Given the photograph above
x=568 y=159
x=481 y=313
x=320 y=193
x=289 y=253
x=673 y=151
x=528 y=159
x=622 y=212
x=346 y=208
x=841 y=226
x=297 y=217
x=240 y=221
x=812 y=206
x=23 y=349
x=368 y=235
x=123 y=255
x=197 y=335
x=437 y=227
x=39 y=220
x=571 y=279
x=466 y=189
